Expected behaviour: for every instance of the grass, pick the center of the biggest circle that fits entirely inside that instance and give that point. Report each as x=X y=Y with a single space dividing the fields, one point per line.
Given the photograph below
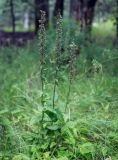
x=108 y=28
x=89 y=130
x=104 y=31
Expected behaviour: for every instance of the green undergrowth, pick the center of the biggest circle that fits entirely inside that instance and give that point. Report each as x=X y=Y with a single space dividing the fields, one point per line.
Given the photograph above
x=88 y=130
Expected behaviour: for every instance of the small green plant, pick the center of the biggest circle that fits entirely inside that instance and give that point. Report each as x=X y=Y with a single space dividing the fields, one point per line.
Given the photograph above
x=54 y=127
x=42 y=51
x=58 y=53
x=72 y=68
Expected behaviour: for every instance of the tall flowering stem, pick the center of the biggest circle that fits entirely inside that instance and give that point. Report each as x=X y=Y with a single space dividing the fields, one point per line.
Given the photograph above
x=58 y=53
x=72 y=69
x=42 y=51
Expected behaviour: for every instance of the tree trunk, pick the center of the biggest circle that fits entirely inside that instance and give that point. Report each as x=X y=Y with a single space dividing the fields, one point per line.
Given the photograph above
x=44 y=6
x=85 y=13
x=12 y=16
x=26 y=20
x=75 y=9
x=72 y=8
x=90 y=14
x=117 y=19
x=59 y=7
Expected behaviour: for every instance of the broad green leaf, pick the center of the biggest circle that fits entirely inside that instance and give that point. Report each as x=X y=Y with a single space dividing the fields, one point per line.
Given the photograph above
x=51 y=114
x=4 y=111
x=104 y=151
x=86 y=148
x=53 y=127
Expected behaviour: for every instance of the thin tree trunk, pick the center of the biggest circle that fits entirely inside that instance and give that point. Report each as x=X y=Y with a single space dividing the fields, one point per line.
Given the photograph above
x=75 y=9
x=87 y=14
x=72 y=8
x=26 y=20
x=59 y=7
x=90 y=11
x=44 y=6
x=117 y=19
x=12 y=17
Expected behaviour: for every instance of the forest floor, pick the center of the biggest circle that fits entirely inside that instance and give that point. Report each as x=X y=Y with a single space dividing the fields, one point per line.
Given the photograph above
x=88 y=130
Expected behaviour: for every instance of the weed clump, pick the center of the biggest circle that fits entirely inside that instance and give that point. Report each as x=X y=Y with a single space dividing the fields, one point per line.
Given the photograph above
x=72 y=69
